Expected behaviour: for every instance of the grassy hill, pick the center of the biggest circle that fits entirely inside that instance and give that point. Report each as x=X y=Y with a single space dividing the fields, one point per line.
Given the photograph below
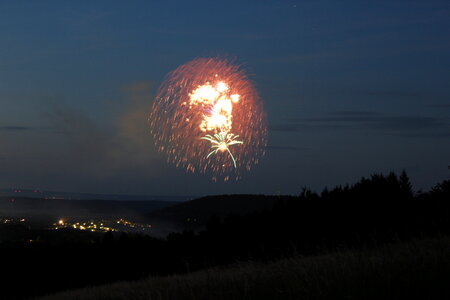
x=419 y=269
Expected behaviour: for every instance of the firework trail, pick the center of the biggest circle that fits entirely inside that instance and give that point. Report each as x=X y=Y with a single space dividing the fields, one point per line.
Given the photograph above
x=207 y=117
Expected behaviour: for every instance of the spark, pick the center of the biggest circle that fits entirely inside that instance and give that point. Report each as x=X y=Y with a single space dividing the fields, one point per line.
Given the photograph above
x=222 y=142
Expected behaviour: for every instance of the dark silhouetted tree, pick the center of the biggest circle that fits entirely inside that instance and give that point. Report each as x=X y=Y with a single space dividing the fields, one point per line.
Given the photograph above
x=405 y=184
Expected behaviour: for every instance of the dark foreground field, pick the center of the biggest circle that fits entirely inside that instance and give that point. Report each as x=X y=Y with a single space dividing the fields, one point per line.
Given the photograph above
x=419 y=269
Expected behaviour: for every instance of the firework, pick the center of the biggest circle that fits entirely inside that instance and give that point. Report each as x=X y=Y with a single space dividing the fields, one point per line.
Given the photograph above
x=207 y=117
x=222 y=142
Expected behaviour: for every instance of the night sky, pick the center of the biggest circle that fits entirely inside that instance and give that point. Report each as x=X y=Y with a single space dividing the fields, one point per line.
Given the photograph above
x=349 y=88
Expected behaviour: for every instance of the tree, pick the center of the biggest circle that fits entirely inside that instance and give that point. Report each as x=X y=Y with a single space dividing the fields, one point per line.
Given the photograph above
x=405 y=184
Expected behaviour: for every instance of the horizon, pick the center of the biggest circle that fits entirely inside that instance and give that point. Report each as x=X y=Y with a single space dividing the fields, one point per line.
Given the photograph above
x=9 y=192
x=68 y=195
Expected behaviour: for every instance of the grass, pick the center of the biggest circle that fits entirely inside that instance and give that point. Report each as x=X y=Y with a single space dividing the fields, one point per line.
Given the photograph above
x=418 y=269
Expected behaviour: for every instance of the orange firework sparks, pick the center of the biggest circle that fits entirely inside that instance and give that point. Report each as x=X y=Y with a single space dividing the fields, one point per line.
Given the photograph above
x=208 y=117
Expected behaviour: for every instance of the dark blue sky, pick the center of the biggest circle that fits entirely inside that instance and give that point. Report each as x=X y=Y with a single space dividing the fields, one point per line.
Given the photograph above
x=350 y=88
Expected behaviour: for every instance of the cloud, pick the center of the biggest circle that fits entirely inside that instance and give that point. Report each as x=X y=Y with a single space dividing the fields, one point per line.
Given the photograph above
x=378 y=120
x=138 y=87
x=357 y=113
x=285 y=148
x=287 y=127
x=86 y=147
x=16 y=128
x=132 y=126
x=107 y=148
x=405 y=125
x=441 y=105
x=407 y=94
x=394 y=93
x=300 y=58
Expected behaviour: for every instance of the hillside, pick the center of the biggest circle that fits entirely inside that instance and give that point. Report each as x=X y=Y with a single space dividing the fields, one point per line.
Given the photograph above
x=195 y=213
x=25 y=207
x=415 y=270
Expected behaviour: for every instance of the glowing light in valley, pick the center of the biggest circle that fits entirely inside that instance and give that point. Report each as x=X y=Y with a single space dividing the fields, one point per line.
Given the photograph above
x=101 y=226
x=208 y=117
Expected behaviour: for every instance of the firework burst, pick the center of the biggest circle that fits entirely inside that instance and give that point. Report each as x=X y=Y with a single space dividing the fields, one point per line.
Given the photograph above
x=208 y=118
x=222 y=142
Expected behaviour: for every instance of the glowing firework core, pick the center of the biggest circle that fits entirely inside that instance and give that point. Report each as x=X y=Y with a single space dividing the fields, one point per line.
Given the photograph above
x=218 y=102
x=219 y=119
x=223 y=146
x=209 y=100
